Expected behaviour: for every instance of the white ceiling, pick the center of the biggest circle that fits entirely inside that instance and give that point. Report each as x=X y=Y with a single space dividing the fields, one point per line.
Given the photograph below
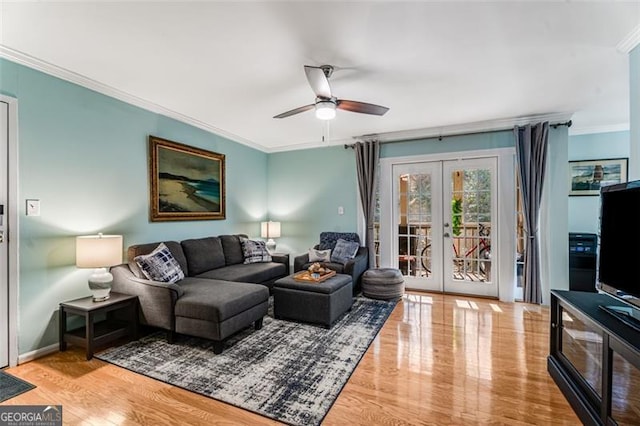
x=232 y=66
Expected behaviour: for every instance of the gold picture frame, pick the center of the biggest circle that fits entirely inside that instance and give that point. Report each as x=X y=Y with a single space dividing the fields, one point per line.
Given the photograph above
x=186 y=183
x=586 y=177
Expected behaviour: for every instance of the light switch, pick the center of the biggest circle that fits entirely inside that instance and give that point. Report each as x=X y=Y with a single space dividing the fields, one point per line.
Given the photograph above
x=340 y=210
x=33 y=207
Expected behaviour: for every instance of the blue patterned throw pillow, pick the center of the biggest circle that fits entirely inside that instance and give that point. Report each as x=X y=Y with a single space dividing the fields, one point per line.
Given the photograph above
x=344 y=251
x=160 y=265
x=254 y=251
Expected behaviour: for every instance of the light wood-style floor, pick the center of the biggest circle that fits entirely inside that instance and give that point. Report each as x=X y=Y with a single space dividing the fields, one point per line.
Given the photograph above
x=440 y=360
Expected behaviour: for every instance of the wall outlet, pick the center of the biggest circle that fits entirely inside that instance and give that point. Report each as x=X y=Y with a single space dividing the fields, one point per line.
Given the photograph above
x=33 y=207
x=340 y=210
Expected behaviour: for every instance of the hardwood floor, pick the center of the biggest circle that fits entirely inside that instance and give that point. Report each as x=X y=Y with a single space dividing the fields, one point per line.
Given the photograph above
x=439 y=359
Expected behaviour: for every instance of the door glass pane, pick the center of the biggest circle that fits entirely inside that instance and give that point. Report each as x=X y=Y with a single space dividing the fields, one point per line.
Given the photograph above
x=625 y=395
x=414 y=227
x=471 y=224
x=578 y=344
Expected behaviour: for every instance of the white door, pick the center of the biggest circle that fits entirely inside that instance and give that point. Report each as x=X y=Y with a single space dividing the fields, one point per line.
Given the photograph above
x=4 y=247
x=469 y=226
x=444 y=225
x=417 y=219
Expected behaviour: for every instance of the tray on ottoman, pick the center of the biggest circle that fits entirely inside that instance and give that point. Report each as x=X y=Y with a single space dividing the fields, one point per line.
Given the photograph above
x=308 y=277
x=315 y=302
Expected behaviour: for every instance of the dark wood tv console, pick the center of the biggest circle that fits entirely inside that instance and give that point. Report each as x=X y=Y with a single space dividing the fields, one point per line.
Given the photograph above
x=594 y=359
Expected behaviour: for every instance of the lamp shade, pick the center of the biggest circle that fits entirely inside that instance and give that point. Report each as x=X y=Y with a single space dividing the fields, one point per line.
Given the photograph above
x=98 y=251
x=270 y=229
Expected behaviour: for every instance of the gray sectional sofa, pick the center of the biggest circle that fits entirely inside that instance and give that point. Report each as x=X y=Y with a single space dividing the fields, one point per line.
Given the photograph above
x=219 y=295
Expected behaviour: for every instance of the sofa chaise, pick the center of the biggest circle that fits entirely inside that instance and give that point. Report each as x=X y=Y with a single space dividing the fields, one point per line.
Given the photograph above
x=218 y=296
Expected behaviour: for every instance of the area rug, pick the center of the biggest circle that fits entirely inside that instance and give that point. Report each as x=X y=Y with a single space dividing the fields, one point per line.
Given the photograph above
x=287 y=371
x=11 y=386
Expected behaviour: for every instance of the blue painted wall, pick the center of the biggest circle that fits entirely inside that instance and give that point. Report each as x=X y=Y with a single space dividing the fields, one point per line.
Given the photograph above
x=84 y=155
x=584 y=212
x=305 y=190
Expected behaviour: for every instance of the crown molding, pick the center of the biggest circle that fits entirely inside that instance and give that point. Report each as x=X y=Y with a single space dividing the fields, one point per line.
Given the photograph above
x=467 y=128
x=628 y=43
x=310 y=145
x=81 y=80
x=586 y=130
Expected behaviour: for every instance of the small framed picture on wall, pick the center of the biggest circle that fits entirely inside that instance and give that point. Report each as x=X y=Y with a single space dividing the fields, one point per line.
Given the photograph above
x=588 y=176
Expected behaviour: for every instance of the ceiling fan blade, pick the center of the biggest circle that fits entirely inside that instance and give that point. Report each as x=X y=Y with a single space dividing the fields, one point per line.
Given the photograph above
x=361 y=107
x=295 y=111
x=318 y=81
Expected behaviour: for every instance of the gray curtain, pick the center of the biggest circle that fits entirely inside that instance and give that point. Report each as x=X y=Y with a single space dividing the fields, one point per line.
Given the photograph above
x=367 y=156
x=531 y=151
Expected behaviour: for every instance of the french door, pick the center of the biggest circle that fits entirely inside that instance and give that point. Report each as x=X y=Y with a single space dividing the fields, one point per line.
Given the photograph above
x=418 y=231
x=444 y=222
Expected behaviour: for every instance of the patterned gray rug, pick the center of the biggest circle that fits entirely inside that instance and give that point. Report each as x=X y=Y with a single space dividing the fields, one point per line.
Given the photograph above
x=287 y=371
x=11 y=386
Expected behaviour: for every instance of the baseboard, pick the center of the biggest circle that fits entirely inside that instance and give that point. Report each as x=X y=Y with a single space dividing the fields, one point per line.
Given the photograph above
x=38 y=353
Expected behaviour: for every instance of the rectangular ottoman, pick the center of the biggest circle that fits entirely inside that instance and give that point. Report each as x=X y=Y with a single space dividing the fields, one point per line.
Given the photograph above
x=319 y=303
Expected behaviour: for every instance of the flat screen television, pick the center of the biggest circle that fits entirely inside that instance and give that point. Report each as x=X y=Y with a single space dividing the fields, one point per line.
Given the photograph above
x=619 y=254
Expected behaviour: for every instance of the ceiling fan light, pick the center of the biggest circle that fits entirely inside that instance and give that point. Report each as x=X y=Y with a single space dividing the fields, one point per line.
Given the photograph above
x=325 y=110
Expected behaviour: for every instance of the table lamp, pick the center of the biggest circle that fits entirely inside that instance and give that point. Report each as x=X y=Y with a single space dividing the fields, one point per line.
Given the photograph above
x=99 y=252
x=270 y=230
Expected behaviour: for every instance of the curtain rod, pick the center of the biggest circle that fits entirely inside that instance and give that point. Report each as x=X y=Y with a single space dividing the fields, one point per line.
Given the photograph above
x=566 y=123
x=554 y=125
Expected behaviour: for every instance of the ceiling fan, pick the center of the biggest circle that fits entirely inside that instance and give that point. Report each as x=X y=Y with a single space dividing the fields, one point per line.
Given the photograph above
x=326 y=104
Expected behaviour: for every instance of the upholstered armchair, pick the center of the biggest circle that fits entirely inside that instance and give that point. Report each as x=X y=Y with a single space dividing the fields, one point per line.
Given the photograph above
x=354 y=267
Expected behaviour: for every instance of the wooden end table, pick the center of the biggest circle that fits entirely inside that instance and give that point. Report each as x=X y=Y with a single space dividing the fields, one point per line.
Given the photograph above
x=107 y=329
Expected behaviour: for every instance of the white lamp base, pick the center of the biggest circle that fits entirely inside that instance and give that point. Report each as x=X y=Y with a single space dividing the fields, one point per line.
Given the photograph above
x=271 y=245
x=100 y=284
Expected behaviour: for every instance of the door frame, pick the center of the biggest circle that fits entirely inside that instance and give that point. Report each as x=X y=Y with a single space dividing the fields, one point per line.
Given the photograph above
x=505 y=212
x=13 y=226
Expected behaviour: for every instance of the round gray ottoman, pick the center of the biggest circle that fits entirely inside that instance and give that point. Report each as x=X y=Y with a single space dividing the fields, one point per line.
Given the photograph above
x=383 y=283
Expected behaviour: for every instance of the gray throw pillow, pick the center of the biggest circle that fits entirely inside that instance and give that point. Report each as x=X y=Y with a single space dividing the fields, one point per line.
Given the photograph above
x=254 y=251
x=344 y=251
x=160 y=265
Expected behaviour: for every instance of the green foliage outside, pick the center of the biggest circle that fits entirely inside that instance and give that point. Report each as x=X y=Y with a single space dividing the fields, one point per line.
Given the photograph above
x=456 y=216
x=477 y=195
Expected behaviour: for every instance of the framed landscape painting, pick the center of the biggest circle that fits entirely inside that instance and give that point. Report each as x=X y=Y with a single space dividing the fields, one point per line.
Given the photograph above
x=588 y=176
x=187 y=183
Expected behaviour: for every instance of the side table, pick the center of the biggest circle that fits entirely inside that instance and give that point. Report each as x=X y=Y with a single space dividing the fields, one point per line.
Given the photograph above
x=103 y=331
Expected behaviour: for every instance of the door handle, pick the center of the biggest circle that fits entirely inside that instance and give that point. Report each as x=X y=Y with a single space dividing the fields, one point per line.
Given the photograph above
x=1 y=236
x=446 y=235
x=446 y=225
